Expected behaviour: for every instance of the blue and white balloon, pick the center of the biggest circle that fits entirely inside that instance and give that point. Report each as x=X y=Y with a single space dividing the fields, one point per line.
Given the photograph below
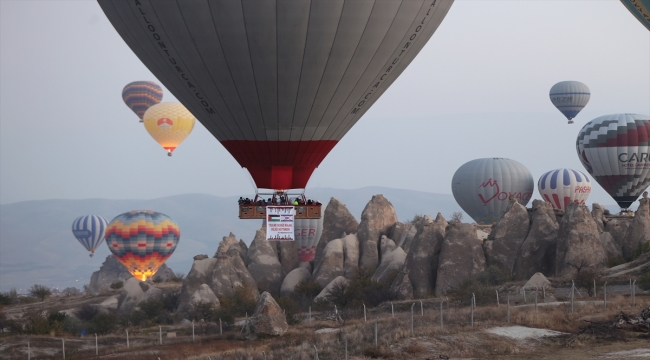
x=563 y=186
x=89 y=230
x=570 y=97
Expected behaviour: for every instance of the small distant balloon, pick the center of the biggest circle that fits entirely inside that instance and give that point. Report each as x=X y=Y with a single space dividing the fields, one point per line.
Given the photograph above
x=89 y=230
x=640 y=9
x=142 y=240
x=483 y=187
x=169 y=124
x=615 y=150
x=563 y=186
x=139 y=96
x=570 y=97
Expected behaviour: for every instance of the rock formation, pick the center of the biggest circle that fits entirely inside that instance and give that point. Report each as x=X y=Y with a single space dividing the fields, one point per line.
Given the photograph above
x=268 y=318
x=205 y=295
x=639 y=230
x=337 y=222
x=391 y=263
x=377 y=219
x=537 y=281
x=287 y=255
x=226 y=243
x=263 y=264
x=134 y=292
x=598 y=213
x=113 y=271
x=386 y=245
x=612 y=250
x=332 y=263
x=507 y=236
x=326 y=290
x=537 y=253
x=402 y=285
x=230 y=273
x=200 y=273
x=578 y=242
x=617 y=227
x=461 y=256
x=421 y=263
x=295 y=277
x=399 y=232
x=350 y=255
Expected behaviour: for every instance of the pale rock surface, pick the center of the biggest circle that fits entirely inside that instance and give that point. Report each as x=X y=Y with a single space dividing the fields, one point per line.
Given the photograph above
x=268 y=318
x=350 y=255
x=205 y=295
x=612 y=250
x=398 y=231
x=578 y=242
x=263 y=264
x=639 y=230
x=287 y=255
x=391 y=264
x=598 y=213
x=111 y=271
x=377 y=219
x=421 y=263
x=402 y=286
x=332 y=264
x=461 y=256
x=293 y=278
x=537 y=253
x=226 y=243
x=326 y=290
x=200 y=273
x=228 y=274
x=537 y=281
x=386 y=245
x=133 y=292
x=406 y=239
x=617 y=227
x=337 y=222
x=508 y=235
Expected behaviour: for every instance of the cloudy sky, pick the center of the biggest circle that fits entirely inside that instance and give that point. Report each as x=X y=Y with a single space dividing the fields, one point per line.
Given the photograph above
x=479 y=88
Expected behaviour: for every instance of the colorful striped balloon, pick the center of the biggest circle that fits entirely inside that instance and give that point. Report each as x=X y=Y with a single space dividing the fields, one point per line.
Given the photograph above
x=563 y=186
x=141 y=95
x=570 y=97
x=142 y=240
x=615 y=150
x=89 y=230
x=308 y=233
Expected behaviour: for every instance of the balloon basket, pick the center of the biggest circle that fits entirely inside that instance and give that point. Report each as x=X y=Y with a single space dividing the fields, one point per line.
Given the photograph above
x=256 y=208
x=570 y=121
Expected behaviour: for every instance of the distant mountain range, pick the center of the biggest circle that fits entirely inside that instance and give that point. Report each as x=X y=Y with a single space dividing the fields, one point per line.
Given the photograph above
x=37 y=246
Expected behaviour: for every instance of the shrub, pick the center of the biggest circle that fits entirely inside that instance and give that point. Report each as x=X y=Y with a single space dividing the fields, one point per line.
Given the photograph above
x=360 y=290
x=456 y=216
x=291 y=309
x=481 y=285
x=72 y=325
x=5 y=299
x=87 y=312
x=40 y=291
x=239 y=303
x=171 y=300
x=137 y=318
x=305 y=292
x=642 y=249
x=157 y=280
x=644 y=282
x=585 y=279
x=71 y=291
x=201 y=310
x=615 y=261
x=416 y=219
x=36 y=323
x=178 y=277
x=117 y=285
x=102 y=324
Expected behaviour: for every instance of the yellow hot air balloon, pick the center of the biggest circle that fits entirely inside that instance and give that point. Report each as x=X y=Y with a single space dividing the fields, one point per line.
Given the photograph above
x=169 y=124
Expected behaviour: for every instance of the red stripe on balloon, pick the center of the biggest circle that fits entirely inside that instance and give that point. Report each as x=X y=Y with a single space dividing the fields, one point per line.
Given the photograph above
x=557 y=201
x=291 y=162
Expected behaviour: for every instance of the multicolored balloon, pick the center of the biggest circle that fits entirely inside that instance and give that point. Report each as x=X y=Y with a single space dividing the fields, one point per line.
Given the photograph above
x=277 y=83
x=141 y=95
x=570 y=97
x=169 y=124
x=640 y=9
x=89 y=230
x=307 y=234
x=142 y=240
x=615 y=151
x=483 y=187
x=563 y=186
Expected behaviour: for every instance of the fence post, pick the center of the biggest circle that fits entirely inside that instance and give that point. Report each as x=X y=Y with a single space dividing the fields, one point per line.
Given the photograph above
x=441 y=315
x=364 y=313
x=508 y=308
x=96 y=347
x=263 y=353
x=127 y=338
x=572 y=287
x=471 y=305
x=595 y=294
x=497 y=291
x=544 y=291
x=192 y=330
x=316 y=353
x=160 y=334
x=634 y=293
x=336 y=311
x=310 y=316
x=29 y=352
x=605 y=294
x=376 y=332
x=63 y=342
x=346 y=347
x=220 y=327
x=535 y=304
x=392 y=309
x=412 y=318
x=630 y=287
x=524 y=291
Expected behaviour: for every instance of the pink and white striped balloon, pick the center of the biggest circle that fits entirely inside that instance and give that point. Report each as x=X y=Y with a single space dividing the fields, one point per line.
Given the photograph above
x=562 y=186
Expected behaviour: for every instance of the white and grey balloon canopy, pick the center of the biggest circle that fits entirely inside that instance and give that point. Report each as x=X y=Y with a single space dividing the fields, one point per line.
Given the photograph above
x=483 y=187
x=570 y=97
x=277 y=82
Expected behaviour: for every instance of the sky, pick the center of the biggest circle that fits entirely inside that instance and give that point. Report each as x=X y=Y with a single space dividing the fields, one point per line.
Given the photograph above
x=479 y=88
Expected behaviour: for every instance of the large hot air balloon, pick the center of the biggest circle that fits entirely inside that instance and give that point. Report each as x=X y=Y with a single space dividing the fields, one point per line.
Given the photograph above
x=614 y=149
x=278 y=83
x=563 y=186
x=89 y=230
x=169 y=124
x=142 y=240
x=141 y=95
x=483 y=187
x=570 y=97
x=307 y=234
x=640 y=9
